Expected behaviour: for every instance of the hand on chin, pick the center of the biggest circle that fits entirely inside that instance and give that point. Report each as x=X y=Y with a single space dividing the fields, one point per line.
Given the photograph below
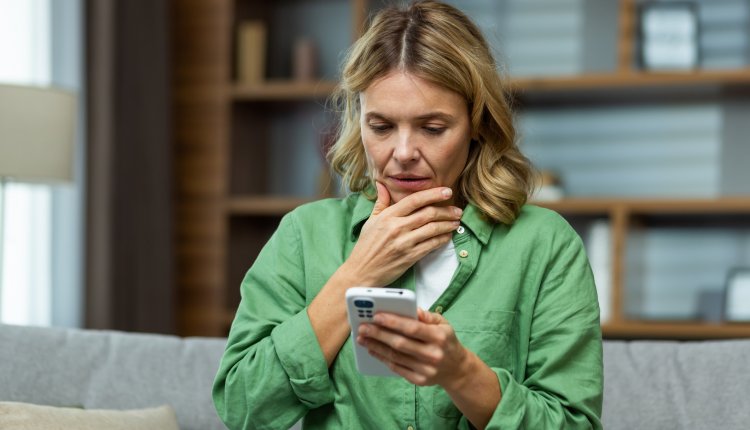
x=397 y=195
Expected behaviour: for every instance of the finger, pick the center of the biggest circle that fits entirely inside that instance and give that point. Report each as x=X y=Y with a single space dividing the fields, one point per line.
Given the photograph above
x=417 y=244
x=430 y=230
x=419 y=250
x=428 y=317
x=383 y=200
x=409 y=338
x=429 y=214
x=420 y=199
x=396 y=359
x=374 y=351
x=425 y=342
x=398 y=341
x=402 y=333
x=410 y=375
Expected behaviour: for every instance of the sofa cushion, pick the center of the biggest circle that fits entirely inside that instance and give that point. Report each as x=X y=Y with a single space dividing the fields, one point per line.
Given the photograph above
x=24 y=416
x=676 y=385
x=111 y=370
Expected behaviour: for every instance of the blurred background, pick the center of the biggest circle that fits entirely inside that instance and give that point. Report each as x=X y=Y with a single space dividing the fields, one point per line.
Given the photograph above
x=200 y=123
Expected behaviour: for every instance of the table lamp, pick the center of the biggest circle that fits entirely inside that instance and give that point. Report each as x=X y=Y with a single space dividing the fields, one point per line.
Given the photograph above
x=37 y=131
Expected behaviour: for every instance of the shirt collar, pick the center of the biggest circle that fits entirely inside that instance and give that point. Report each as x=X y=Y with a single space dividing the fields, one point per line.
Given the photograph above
x=360 y=214
x=472 y=218
x=480 y=225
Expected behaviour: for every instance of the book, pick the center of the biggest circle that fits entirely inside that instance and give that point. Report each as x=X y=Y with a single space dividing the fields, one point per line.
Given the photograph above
x=251 y=52
x=598 y=248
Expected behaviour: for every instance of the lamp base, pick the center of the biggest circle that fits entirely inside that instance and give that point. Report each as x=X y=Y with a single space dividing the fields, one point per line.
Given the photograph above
x=2 y=240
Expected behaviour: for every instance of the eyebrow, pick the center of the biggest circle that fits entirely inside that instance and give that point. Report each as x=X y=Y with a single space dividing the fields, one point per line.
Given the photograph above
x=430 y=115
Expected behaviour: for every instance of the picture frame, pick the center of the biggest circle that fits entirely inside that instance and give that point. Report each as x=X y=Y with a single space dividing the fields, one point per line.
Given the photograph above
x=669 y=34
x=737 y=295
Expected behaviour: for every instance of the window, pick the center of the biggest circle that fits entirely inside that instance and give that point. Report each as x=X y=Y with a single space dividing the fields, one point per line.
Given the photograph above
x=39 y=284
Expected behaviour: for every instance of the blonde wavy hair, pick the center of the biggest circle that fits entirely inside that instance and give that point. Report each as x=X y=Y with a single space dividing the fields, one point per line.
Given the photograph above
x=440 y=44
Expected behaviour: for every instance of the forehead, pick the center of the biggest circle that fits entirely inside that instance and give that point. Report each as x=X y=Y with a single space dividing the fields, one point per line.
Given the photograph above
x=402 y=94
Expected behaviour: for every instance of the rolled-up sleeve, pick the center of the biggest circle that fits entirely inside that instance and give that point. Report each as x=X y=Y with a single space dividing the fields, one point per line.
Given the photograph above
x=273 y=370
x=563 y=382
x=301 y=358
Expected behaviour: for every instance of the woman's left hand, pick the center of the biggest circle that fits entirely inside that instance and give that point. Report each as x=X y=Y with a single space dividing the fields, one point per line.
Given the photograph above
x=424 y=351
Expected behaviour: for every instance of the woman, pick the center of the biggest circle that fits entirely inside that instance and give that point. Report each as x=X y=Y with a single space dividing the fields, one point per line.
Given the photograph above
x=511 y=338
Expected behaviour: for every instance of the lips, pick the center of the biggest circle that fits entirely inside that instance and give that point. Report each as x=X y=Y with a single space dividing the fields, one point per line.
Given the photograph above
x=409 y=182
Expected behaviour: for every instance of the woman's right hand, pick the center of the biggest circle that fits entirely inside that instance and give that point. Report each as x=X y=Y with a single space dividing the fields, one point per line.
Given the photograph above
x=397 y=236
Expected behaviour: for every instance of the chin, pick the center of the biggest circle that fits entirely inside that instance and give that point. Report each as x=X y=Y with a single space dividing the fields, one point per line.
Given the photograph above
x=397 y=196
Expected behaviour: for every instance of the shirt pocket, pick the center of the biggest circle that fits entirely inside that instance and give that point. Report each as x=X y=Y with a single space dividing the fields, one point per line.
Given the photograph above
x=486 y=334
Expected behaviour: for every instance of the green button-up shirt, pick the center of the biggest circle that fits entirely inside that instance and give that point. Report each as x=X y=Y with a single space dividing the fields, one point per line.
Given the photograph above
x=523 y=299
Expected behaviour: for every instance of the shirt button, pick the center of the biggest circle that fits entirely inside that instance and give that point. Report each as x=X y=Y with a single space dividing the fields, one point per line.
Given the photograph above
x=439 y=309
x=460 y=229
x=463 y=253
x=410 y=428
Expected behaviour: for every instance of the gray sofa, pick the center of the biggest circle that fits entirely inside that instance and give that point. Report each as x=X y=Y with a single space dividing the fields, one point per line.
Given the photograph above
x=111 y=370
x=648 y=385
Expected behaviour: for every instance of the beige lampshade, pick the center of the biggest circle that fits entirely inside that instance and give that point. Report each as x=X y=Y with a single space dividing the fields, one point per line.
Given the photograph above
x=37 y=131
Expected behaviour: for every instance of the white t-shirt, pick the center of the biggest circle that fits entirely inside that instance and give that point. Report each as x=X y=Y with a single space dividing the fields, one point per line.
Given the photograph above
x=434 y=273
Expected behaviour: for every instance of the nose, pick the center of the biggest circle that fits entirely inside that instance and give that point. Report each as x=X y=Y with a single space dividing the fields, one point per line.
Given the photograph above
x=407 y=148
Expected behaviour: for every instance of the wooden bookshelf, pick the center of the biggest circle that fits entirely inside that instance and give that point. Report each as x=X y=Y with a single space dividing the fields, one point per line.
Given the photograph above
x=280 y=205
x=697 y=206
x=263 y=205
x=630 y=87
x=531 y=87
x=222 y=127
x=624 y=214
x=675 y=330
x=632 y=80
x=282 y=90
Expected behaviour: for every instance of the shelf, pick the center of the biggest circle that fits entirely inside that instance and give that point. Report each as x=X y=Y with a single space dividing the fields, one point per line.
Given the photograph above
x=282 y=90
x=263 y=205
x=280 y=205
x=609 y=81
x=675 y=330
x=529 y=87
x=593 y=206
x=632 y=86
x=582 y=206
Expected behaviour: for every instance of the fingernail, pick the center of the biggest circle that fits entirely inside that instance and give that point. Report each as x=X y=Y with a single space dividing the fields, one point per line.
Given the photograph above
x=363 y=329
x=447 y=192
x=377 y=318
x=457 y=211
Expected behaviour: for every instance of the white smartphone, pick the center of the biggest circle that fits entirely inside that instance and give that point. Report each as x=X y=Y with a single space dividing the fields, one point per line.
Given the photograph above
x=362 y=304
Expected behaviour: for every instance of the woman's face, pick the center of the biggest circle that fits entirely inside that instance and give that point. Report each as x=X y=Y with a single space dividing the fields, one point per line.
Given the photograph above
x=416 y=134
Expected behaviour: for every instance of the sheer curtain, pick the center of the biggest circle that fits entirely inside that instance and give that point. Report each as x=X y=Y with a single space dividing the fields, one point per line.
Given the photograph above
x=41 y=285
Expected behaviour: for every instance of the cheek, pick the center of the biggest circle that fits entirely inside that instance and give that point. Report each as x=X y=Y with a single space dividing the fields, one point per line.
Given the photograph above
x=454 y=160
x=464 y=156
x=374 y=157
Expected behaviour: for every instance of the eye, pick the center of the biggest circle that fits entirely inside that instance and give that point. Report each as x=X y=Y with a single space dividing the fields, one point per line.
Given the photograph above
x=380 y=128
x=433 y=129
